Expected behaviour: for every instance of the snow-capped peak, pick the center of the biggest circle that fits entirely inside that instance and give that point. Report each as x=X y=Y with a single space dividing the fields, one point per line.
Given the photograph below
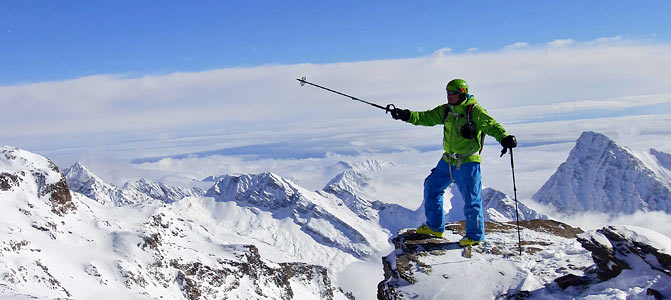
x=601 y=176
x=263 y=190
x=372 y=165
x=499 y=207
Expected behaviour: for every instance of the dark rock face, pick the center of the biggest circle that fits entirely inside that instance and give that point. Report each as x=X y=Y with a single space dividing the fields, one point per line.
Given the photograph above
x=58 y=192
x=7 y=181
x=60 y=198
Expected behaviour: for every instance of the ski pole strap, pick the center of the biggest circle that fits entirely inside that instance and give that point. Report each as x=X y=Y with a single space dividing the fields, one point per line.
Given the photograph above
x=457 y=156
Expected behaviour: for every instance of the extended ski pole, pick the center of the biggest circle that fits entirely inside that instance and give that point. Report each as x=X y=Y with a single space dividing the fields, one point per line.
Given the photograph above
x=517 y=212
x=387 y=109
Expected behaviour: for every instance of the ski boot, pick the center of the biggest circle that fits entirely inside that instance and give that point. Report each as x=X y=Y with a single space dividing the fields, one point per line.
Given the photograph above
x=464 y=242
x=428 y=231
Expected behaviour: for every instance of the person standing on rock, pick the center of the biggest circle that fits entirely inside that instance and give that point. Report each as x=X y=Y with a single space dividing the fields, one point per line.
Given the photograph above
x=465 y=124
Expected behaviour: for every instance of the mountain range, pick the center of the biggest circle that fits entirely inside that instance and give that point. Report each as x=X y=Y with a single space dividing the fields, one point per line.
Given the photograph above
x=263 y=236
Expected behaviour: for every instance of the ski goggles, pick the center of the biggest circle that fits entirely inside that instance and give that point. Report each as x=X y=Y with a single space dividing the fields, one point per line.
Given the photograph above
x=453 y=92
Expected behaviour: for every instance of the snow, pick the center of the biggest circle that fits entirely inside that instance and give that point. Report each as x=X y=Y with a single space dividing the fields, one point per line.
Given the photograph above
x=646 y=236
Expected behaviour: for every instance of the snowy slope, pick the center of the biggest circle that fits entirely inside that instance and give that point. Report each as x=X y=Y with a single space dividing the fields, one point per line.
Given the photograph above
x=557 y=262
x=58 y=244
x=599 y=175
x=323 y=217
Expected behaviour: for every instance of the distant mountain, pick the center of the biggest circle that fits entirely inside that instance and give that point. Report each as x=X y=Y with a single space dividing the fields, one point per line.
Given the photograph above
x=351 y=185
x=55 y=244
x=322 y=216
x=496 y=206
x=663 y=159
x=499 y=207
x=83 y=181
x=599 y=175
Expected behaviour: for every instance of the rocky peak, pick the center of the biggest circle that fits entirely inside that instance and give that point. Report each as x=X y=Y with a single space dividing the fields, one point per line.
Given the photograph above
x=601 y=176
x=21 y=170
x=664 y=159
x=83 y=181
x=266 y=190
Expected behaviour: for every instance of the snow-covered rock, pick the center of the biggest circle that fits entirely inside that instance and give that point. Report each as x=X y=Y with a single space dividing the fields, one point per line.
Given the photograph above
x=599 y=175
x=552 y=265
x=423 y=267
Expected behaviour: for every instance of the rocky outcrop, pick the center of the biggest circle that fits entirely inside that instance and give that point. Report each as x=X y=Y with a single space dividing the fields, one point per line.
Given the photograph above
x=615 y=249
x=418 y=256
x=18 y=167
x=557 y=262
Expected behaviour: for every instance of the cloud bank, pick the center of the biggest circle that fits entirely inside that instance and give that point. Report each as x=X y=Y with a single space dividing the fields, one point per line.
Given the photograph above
x=562 y=76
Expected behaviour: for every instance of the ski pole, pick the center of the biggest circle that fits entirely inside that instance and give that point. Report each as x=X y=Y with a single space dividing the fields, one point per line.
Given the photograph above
x=387 y=109
x=517 y=212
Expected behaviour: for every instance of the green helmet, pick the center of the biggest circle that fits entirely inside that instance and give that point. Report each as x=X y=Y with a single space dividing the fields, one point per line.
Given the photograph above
x=458 y=85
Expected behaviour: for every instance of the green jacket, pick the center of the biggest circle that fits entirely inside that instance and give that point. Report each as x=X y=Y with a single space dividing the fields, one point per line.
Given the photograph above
x=453 y=142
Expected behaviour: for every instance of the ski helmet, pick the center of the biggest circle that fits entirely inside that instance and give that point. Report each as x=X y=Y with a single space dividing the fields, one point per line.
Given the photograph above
x=458 y=85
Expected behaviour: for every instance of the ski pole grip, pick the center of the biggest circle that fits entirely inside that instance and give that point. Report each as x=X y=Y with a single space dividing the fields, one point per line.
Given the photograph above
x=389 y=108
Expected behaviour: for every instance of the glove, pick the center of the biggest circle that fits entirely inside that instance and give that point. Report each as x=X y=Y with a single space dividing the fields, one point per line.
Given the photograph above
x=402 y=114
x=509 y=141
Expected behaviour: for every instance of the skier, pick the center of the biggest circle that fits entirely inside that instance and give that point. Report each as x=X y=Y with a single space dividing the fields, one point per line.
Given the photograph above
x=465 y=124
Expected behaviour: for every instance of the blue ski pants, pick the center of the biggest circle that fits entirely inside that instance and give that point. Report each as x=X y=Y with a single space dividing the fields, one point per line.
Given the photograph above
x=468 y=180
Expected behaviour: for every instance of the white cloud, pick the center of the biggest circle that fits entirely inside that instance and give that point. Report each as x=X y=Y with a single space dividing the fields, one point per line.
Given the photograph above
x=441 y=52
x=515 y=46
x=561 y=43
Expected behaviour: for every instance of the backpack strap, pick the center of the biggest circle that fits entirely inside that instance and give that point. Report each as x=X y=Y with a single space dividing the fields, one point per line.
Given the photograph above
x=468 y=114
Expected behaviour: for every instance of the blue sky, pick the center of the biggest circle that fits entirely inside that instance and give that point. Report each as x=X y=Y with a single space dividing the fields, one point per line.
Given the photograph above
x=56 y=40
